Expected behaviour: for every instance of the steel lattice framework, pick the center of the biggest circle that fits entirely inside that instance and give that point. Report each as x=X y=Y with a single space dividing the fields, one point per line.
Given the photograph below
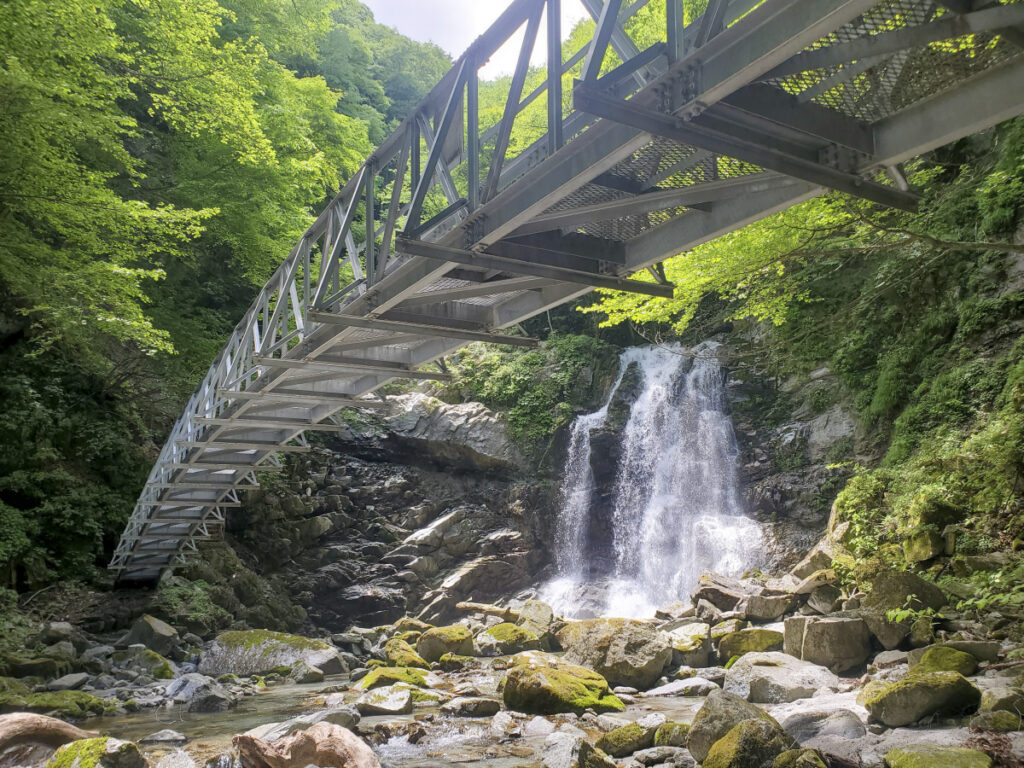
x=749 y=109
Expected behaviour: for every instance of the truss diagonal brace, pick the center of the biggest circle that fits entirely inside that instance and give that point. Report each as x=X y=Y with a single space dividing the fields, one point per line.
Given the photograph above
x=378 y=324
x=676 y=129
x=518 y=266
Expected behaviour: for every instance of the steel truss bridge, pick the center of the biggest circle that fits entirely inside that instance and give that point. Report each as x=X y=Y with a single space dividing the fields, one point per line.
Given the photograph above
x=446 y=236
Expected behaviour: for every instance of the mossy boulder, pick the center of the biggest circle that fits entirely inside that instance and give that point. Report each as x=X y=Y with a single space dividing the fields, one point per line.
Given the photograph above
x=453 y=662
x=933 y=756
x=16 y=687
x=727 y=627
x=892 y=589
x=146 y=661
x=45 y=667
x=923 y=544
x=548 y=686
x=719 y=714
x=626 y=739
x=624 y=651
x=919 y=695
x=503 y=639
x=381 y=676
x=400 y=654
x=99 y=752
x=749 y=744
x=409 y=624
x=942 y=658
x=409 y=637
x=437 y=641
x=257 y=651
x=749 y=641
x=68 y=704
x=997 y=721
x=800 y=758
x=671 y=734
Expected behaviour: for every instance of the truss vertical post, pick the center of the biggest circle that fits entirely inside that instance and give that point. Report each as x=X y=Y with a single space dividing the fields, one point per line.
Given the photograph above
x=473 y=136
x=554 y=76
x=369 y=251
x=674 y=29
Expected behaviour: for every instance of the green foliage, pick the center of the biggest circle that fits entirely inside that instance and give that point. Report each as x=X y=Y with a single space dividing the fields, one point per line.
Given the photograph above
x=539 y=390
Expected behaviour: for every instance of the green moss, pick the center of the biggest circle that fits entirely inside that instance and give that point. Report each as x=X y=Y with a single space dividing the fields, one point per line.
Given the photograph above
x=436 y=642
x=453 y=662
x=251 y=639
x=508 y=638
x=409 y=637
x=410 y=624
x=625 y=740
x=931 y=756
x=10 y=685
x=549 y=690
x=401 y=654
x=381 y=676
x=74 y=704
x=999 y=721
x=800 y=758
x=157 y=665
x=749 y=641
x=917 y=696
x=85 y=753
x=749 y=743
x=942 y=658
x=671 y=734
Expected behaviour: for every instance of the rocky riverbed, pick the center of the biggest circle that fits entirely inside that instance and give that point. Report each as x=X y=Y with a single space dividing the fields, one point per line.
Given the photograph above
x=787 y=671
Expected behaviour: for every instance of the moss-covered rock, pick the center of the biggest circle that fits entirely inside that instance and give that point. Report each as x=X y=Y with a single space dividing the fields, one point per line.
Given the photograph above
x=409 y=637
x=410 y=624
x=671 y=734
x=800 y=758
x=719 y=714
x=749 y=744
x=923 y=544
x=933 y=756
x=626 y=739
x=10 y=685
x=453 y=662
x=891 y=590
x=382 y=676
x=503 y=639
x=919 y=695
x=69 y=704
x=547 y=686
x=942 y=658
x=727 y=627
x=99 y=752
x=749 y=641
x=624 y=651
x=437 y=641
x=400 y=654
x=45 y=667
x=257 y=651
x=997 y=721
x=146 y=661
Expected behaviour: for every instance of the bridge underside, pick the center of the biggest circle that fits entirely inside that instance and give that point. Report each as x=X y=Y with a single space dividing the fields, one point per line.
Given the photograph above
x=442 y=238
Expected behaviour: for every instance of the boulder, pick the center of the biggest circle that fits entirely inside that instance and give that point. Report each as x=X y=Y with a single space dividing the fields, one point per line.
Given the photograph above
x=437 y=641
x=671 y=734
x=836 y=723
x=547 y=686
x=890 y=590
x=303 y=673
x=917 y=696
x=719 y=714
x=166 y=737
x=346 y=717
x=570 y=750
x=471 y=706
x=999 y=721
x=400 y=654
x=982 y=650
x=749 y=641
x=818 y=559
x=504 y=639
x=324 y=744
x=384 y=676
x=691 y=644
x=141 y=659
x=943 y=658
x=258 y=651
x=71 y=682
x=153 y=633
x=723 y=592
x=663 y=757
x=691 y=686
x=824 y=598
x=923 y=544
x=767 y=607
x=71 y=704
x=774 y=678
x=889 y=634
x=100 y=752
x=749 y=744
x=410 y=624
x=200 y=693
x=800 y=758
x=388 y=700
x=1004 y=697
x=839 y=644
x=815 y=581
x=934 y=756
x=536 y=616
x=626 y=739
x=624 y=651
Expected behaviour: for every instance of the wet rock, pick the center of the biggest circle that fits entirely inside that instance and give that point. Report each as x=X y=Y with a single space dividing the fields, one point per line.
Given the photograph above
x=165 y=737
x=749 y=641
x=98 y=753
x=719 y=714
x=539 y=726
x=153 y=633
x=751 y=743
x=568 y=750
x=772 y=678
x=918 y=696
x=933 y=756
x=624 y=651
x=471 y=706
x=387 y=700
x=436 y=642
x=839 y=644
x=258 y=651
x=201 y=693
x=142 y=660
x=547 y=686
x=504 y=639
x=324 y=744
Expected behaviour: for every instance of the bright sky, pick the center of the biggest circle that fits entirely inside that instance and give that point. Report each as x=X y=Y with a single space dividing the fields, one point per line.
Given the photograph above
x=454 y=24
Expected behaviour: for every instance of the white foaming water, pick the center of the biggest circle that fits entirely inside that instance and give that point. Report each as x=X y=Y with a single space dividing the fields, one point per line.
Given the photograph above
x=676 y=509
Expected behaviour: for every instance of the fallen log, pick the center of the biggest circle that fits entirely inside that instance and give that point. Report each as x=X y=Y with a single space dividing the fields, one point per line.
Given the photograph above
x=508 y=614
x=25 y=727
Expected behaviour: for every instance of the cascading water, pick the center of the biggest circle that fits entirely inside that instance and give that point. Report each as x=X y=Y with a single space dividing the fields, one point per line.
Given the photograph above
x=675 y=509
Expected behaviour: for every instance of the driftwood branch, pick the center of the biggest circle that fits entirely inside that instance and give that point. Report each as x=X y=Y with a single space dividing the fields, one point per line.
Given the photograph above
x=24 y=727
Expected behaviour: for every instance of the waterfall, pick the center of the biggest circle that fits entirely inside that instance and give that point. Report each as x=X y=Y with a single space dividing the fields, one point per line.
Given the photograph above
x=675 y=510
